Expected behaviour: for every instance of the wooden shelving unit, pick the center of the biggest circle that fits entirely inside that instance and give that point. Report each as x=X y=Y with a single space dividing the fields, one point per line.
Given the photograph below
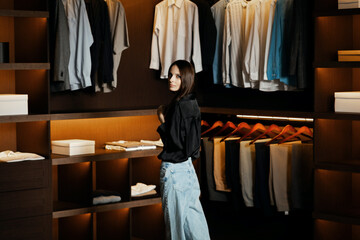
x=337 y=159
x=102 y=155
x=25 y=192
x=23 y=13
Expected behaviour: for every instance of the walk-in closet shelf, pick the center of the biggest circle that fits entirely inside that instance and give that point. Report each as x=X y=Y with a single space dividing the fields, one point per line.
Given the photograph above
x=337 y=142
x=74 y=178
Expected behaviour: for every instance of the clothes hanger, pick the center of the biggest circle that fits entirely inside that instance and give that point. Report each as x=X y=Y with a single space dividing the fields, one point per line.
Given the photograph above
x=228 y=125
x=288 y=129
x=204 y=123
x=256 y=127
x=214 y=126
x=239 y=128
x=270 y=129
x=304 y=130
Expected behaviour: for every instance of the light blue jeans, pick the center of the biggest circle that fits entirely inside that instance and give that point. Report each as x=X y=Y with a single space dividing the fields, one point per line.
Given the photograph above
x=180 y=191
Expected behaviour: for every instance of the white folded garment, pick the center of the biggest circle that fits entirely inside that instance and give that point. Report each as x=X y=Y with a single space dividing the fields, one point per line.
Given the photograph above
x=152 y=192
x=141 y=188
x=106 y=199
x=10 y=156
x=158 y=143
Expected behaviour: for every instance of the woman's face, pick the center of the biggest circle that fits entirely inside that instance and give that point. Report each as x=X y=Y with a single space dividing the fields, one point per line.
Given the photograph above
x=174 y=79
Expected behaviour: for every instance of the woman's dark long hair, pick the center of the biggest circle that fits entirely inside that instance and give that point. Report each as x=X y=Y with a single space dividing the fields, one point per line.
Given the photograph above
x=187 y=76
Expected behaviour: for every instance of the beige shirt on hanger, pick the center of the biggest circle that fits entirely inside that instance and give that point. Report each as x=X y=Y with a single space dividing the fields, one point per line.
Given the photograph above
x=175 y=35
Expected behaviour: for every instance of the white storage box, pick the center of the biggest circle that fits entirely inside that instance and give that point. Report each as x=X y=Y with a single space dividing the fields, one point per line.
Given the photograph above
x=73 y=147
x=347 y=102
x=344 y=4
x=13 y=104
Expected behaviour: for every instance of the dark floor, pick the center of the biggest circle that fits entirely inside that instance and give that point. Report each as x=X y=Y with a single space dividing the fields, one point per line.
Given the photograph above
x=250 y=224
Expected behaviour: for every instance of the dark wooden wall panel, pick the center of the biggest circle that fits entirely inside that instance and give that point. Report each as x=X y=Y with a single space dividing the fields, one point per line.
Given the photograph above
x=33 y=137
x=26 y=203
x=113 y=225
x=328 y=81
x=339 y=30
x=8 y=136
x=332 y=230
x=31 y=40
x=74 y=183
x=6 y=4
x=35 y=84
x=82 y=231
x=25 y=175
x=114 y=176
x=35 y=5
x=145 y=227
x=35 y=228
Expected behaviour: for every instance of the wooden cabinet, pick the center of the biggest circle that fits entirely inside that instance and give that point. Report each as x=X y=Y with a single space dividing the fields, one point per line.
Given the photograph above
x=337 y=155
x=75 y=177
x=25 y=192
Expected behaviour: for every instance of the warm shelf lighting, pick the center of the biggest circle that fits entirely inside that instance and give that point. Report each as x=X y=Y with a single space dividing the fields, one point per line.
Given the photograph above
x=276 y=118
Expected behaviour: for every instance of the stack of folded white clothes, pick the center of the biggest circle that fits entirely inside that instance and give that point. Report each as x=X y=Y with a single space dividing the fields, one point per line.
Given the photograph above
x=141 y=189
x=101 y=196
x=10 y=156
x=158 y=143
x=129 y=145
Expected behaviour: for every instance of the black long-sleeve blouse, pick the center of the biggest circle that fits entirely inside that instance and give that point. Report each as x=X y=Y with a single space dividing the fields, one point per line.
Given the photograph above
x=181 y=132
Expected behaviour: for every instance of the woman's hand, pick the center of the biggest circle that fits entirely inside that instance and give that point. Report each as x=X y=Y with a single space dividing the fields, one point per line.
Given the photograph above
x=160 y=113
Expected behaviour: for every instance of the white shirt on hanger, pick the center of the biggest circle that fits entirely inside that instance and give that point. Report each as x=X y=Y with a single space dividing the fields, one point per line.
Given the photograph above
x=175 y=35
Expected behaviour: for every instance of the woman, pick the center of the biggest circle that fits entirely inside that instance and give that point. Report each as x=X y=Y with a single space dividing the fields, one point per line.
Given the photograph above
x=180 y=132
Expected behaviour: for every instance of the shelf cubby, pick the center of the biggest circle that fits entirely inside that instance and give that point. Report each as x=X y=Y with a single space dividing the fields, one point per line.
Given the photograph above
x=25 y=137
x=337 y=193
x=342 y=30
x=337 y=141
x=331 y=80
x=144 y=227
x=332 y=230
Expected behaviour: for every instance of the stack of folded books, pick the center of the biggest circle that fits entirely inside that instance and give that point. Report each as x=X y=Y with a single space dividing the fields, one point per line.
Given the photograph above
x=129 y=145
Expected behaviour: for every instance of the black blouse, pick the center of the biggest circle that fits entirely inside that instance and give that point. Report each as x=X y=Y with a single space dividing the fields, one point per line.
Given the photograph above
x=181 y=132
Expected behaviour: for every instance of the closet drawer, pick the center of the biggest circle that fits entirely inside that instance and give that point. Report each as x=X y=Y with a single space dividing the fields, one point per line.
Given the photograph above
x=24 y=175
x=26 y=203
x=35 y=228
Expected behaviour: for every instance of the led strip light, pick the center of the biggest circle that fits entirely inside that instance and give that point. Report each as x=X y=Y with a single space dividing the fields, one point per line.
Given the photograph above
x=276 y=118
